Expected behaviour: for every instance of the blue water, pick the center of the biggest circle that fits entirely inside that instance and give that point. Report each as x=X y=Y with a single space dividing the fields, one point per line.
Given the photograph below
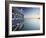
x=31 y=24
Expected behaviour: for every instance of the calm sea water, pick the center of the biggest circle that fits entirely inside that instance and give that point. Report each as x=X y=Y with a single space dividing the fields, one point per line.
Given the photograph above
x=31 y=24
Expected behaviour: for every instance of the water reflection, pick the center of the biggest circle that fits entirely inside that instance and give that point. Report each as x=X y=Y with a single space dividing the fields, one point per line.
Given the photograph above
x=31 y=24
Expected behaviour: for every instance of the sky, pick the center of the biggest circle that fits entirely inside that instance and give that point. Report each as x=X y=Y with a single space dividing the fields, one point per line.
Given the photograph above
x=29 y=12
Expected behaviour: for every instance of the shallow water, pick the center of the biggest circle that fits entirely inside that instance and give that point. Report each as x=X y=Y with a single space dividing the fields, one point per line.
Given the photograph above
x=31 y=24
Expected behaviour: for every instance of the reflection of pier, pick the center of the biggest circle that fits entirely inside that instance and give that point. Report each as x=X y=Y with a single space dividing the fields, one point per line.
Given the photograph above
x=17 y=19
